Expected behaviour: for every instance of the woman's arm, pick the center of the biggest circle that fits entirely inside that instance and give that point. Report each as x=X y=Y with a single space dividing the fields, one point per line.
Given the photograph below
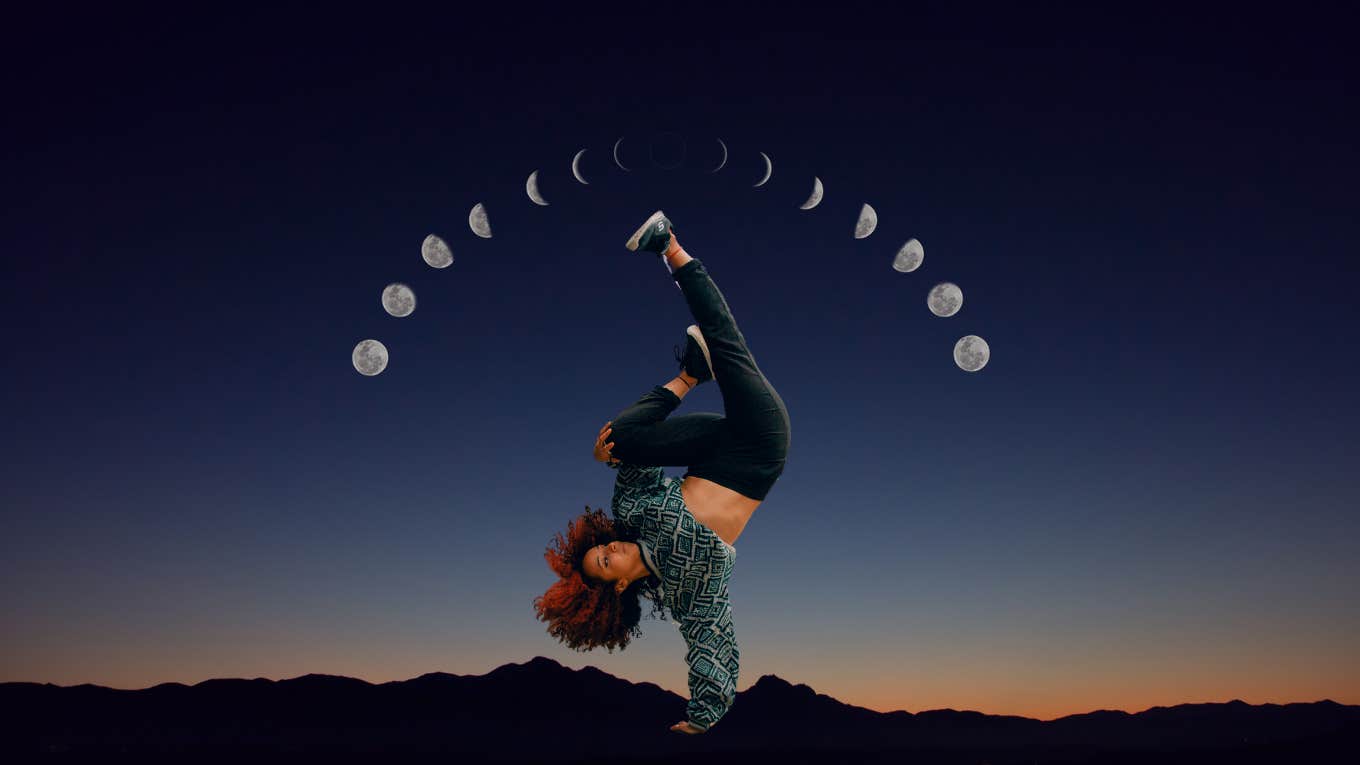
x=635 y=487
x=713 y=665
x=635 y=492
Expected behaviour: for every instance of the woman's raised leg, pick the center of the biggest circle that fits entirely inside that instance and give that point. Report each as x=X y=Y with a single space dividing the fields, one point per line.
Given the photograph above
x=753 y=407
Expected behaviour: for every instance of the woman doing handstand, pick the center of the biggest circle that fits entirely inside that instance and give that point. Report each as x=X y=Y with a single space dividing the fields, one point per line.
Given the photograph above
x=670 y=540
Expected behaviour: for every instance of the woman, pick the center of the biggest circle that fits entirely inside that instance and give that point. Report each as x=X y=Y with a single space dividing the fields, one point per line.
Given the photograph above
x=673 y=541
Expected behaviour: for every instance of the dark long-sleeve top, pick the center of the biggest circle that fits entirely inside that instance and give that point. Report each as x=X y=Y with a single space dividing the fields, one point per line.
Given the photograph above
x=694 y=566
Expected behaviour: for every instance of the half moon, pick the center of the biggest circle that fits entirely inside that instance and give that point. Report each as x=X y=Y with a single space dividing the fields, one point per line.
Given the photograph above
x=576 y=167
x=724 y=159
x=477 y=220
x=816 y=197
x=531 y=187
x=616 y=156
x=868 y=221
x=769 y=168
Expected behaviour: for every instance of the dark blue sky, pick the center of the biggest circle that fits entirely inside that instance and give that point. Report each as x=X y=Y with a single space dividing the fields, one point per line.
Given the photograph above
x=1147 y=496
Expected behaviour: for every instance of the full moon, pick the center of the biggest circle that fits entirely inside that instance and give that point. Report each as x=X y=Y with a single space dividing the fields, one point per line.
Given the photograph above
x=531 y=188
x=945 y=299
x=398 y=299
x=971 y=353
x=909 y=257
x=436 y=252
x=478 y=221
x=816 y=197
x=369 y=357
x=868 y=221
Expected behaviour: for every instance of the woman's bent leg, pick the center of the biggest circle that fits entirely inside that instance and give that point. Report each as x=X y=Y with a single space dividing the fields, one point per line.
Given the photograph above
x=643 y=434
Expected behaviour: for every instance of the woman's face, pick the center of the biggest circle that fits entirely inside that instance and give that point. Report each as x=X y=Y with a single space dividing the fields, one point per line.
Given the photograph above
x=613 y=562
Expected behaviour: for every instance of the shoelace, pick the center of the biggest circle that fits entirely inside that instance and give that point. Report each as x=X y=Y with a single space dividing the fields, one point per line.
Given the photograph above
x=680 y=357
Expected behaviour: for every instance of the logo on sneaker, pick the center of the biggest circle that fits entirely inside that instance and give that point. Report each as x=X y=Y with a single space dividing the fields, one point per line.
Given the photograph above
x=660 y=226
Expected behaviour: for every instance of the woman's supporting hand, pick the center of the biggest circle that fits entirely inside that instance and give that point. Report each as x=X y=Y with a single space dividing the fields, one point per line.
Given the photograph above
x=685 y=727
x=601 y=448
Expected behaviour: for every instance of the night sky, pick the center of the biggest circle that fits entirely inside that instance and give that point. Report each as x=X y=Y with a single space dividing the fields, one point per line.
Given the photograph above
x=1147 y=497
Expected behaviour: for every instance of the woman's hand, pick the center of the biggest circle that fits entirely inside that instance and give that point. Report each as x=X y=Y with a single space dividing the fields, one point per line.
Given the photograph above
x=685 y=727
x=601 y=448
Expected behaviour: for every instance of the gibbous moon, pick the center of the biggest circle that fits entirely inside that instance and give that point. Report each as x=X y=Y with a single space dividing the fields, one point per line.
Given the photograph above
x=531 y=187
x=478 y=221
x=909 y=257
x=868 y=221
x=724 y=159
x=971 y=353
x=616 y=156
x=945 y=299
x=369 y=357
x=576 y=167
x=398 y=299
x=769 y=168
x=816 y=197
x=436 y=252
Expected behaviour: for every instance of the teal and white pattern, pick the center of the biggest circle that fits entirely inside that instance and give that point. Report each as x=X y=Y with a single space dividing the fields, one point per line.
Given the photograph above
x=694 y=565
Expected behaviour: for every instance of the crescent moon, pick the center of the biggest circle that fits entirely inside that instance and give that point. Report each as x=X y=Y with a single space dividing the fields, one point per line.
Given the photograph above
x=576 y=167
x=769 y=168
x=724 y=159
x=531 y=187
x=816 y=197
x=616 y=156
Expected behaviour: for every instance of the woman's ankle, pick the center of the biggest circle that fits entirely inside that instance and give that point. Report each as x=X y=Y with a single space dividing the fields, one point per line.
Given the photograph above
x=676 y=256
x=679 y=386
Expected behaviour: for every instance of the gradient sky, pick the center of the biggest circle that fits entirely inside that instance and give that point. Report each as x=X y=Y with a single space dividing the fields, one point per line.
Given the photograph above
x=1147 y=497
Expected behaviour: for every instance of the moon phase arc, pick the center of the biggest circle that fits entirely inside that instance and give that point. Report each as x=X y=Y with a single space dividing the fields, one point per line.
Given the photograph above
x=531 y=188
x=436 y=252
x=972 y=353
x=769 y=169
x=816 y=197
x=369 y=357
x=945 y=299
x=724 y=159
x=868 y=221
x=909 y=257
x=616 y=156
x=576 y=167
x=478 y=221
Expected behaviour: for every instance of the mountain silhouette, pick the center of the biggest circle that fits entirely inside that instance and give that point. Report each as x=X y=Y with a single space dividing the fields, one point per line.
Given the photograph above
x=541 y=710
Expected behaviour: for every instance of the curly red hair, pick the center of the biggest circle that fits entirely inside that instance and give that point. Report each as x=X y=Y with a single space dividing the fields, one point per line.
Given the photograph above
x=585 y=613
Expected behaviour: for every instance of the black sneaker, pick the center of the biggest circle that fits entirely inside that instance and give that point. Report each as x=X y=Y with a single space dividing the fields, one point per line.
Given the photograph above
x=694 y=359
x=653 y=236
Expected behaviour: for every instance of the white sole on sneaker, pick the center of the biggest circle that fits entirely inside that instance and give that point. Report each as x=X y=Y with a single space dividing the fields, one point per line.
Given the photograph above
x=693 y=331
x=632 y=242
